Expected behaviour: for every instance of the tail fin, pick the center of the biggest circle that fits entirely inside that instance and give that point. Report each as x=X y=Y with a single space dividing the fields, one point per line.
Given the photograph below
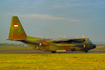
x=16 y=30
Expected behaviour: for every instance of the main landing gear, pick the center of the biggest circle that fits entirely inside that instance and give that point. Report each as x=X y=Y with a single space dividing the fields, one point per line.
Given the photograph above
x=53 y=51
x=86 y=51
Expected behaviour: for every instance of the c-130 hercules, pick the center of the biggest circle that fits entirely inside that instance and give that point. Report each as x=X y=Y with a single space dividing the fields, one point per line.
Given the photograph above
x=17 y=33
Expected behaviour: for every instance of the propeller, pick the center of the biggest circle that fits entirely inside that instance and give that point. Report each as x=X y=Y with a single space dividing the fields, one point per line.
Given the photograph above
x=60 y=36
x=77 y=36
x=64 y=36
x=83 y=35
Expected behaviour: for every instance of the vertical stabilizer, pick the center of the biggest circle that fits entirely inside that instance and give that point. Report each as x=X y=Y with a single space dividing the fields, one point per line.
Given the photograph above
x=16 y=30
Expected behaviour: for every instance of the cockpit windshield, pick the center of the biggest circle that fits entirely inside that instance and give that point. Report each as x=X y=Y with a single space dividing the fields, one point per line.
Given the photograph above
x=90 y=42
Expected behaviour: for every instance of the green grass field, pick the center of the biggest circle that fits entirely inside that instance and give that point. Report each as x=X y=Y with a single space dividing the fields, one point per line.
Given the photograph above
x=63 y=61
x=57 y=61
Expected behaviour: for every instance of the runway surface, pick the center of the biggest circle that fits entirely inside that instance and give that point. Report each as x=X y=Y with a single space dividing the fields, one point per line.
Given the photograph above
x=32 y=51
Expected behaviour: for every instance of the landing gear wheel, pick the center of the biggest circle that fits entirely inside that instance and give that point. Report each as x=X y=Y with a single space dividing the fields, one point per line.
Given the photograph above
x=53 y=51
x=86 y=51
x=73 y=49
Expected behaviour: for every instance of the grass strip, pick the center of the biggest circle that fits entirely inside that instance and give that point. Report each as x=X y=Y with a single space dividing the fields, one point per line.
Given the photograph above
x=63 y=61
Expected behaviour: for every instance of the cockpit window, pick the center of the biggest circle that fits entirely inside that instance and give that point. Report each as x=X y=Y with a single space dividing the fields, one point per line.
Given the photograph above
x=90 y=42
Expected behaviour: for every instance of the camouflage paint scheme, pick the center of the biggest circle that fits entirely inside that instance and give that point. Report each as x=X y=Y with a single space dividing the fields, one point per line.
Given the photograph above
x=17 y=33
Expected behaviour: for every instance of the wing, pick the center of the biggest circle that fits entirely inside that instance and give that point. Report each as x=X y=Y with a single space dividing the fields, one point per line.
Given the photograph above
x=81 y=40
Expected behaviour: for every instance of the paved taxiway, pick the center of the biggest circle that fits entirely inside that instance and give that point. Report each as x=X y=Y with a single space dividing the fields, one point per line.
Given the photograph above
x=32 y=51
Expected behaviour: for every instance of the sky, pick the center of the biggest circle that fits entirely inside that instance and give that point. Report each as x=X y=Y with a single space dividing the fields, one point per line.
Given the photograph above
x=52 y=18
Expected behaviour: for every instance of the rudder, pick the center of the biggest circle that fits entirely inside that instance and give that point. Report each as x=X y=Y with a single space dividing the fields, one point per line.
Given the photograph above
x=16 y=30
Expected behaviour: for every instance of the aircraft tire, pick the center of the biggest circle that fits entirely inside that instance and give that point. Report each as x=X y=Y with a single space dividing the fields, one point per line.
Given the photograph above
x=73 y=49
x=86 y=51
x=53 y=51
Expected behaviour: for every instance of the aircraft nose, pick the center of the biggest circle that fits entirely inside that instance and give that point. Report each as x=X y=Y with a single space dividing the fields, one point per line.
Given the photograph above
x=94 y=46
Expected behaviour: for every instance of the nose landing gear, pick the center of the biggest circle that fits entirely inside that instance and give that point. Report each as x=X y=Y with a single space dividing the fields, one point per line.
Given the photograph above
x=86 y=50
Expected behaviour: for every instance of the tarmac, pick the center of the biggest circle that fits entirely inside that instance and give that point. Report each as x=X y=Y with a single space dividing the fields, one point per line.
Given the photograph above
x=32 y=51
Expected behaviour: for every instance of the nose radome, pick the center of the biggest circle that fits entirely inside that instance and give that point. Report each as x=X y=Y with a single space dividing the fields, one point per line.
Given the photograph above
x=94 y=46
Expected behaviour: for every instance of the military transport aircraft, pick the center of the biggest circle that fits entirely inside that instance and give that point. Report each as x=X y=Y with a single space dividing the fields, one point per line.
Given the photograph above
x=17 y=33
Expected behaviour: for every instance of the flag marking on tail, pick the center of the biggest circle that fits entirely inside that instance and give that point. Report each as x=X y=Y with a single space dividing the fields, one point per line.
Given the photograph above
x=15 y=25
